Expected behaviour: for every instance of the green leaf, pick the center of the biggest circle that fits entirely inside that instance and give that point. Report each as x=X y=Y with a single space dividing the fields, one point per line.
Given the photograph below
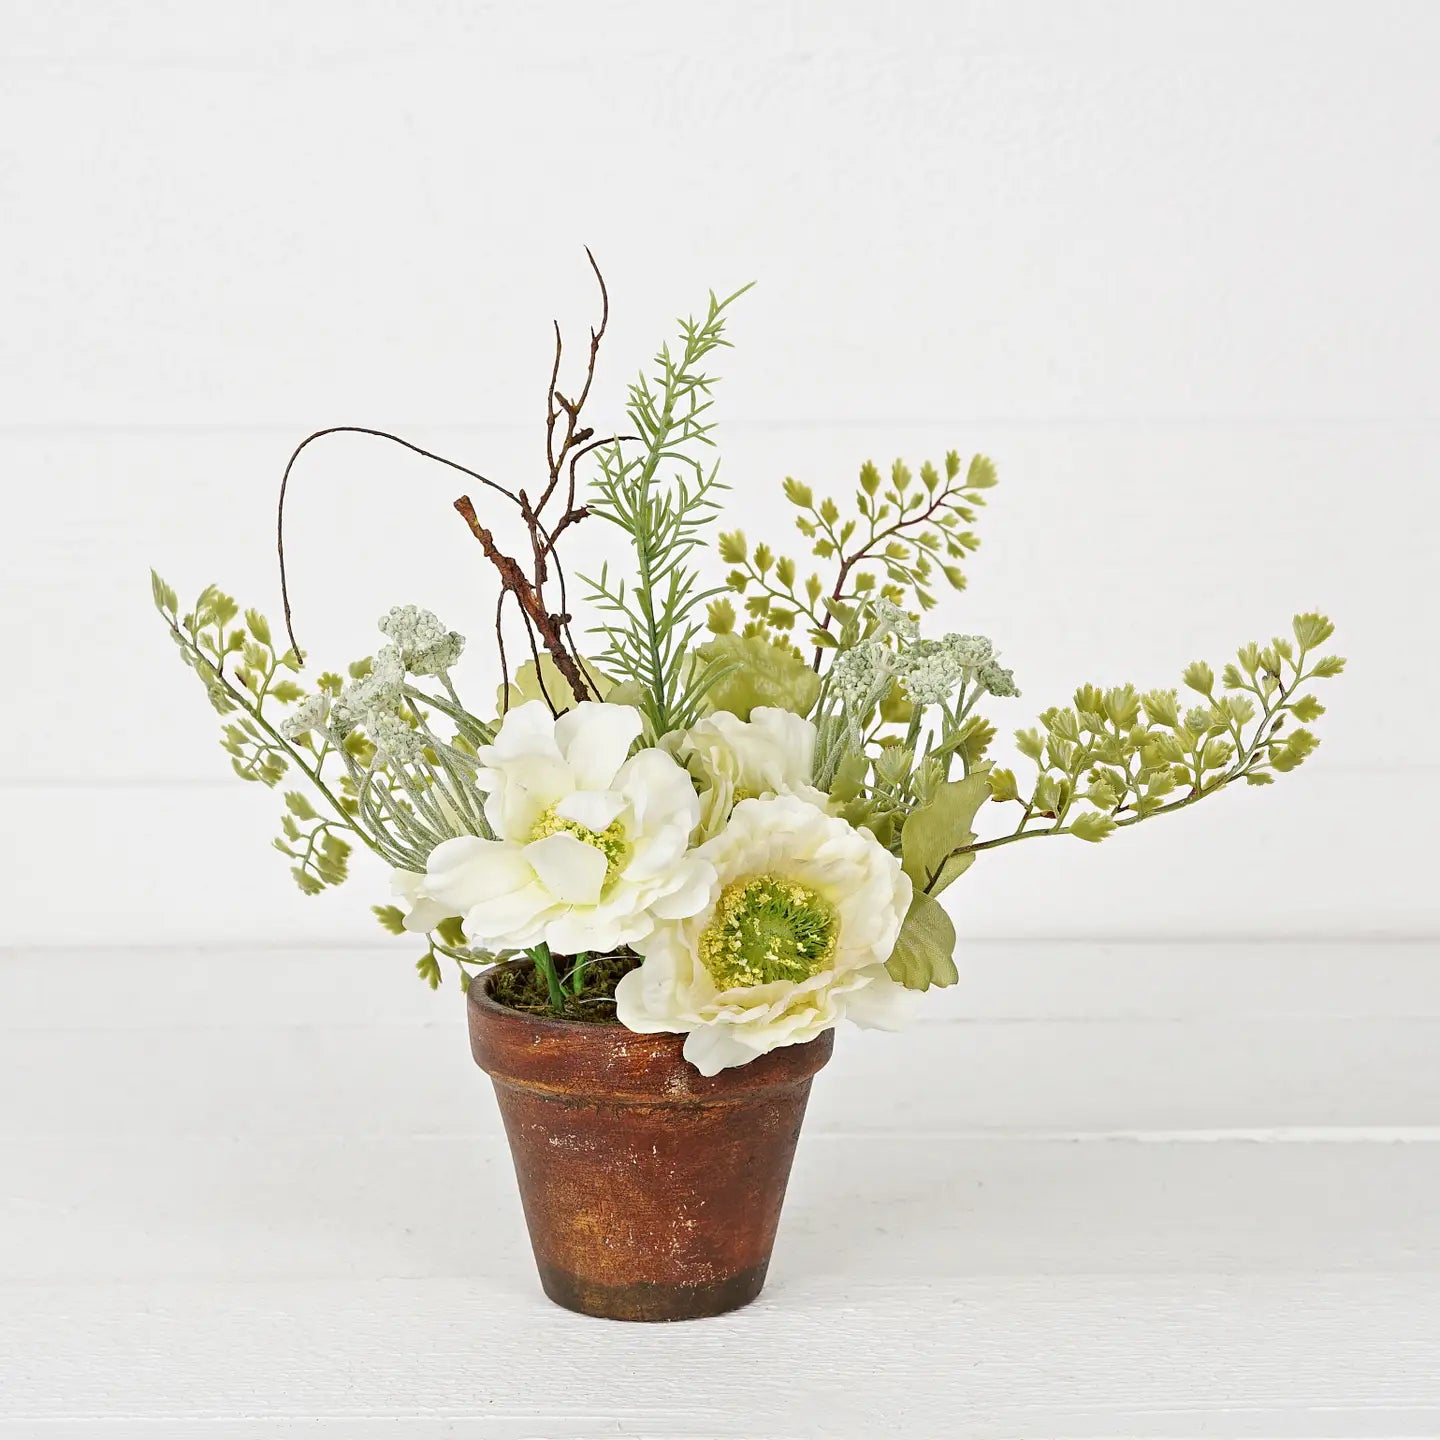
x=934 y=831
x=762 y=674
x=1328 y=666
x=1217 y=754
x=1161 y=707
x=299 y=805
x=981 y=475
x=1030 y=743
x=359 y=669
x=721 y=616
x=1092 y=825
x=733 y=548
x=286 y=691
x=309 y=883
x=798 y=494
x=1295 y=749
x=258 y=626
x=214 y=607
x=850 y=776
x=1122 y=705
x=973 y=740
x=452 y=932
x=924 y=953
x=427 y=967
x=1199 y=677
x=1312 y=630
x=391 y=918
x=1003 y=785
x=166 y=600
x=1259 y=777
x=1307 y=708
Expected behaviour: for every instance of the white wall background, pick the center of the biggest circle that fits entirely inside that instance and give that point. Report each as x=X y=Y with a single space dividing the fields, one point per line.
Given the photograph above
x=1172 y=265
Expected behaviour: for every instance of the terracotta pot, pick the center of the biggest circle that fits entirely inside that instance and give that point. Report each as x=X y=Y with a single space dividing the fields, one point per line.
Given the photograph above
x=651 y=1192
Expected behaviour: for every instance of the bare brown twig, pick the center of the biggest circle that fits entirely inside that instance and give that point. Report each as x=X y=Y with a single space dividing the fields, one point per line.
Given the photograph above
x=565 y=447
x=285 y=486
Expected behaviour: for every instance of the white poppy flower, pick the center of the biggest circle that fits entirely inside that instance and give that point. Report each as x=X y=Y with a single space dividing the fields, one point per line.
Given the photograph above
x=591 y=848
x=771 y=753
x=803 y=914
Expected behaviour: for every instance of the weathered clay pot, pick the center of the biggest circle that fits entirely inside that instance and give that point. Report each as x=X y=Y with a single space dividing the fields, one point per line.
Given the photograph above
x=651 y=1192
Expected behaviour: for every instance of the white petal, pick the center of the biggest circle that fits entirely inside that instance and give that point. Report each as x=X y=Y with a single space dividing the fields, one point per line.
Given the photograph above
x=572 y=871
x=513 y=811
x=664 y=810
x=528 y=729
x=585 y=932
x=468 y=870
x=425 y=915
x=633 y=1012
x=694 y=884
x=512 y=921
x=883 y=1004
x=713 y=1048
x=594 y=809
x=595 y=739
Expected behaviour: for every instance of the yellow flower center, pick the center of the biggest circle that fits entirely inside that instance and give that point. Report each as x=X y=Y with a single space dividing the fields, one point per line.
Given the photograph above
x=611 y=842
x=767 y=928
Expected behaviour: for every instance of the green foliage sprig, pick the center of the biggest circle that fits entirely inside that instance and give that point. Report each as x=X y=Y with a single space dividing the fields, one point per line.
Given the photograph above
x=1115 y=757
x=900 y=538
x=209 y=640
x=652 y=624
x=398 y=808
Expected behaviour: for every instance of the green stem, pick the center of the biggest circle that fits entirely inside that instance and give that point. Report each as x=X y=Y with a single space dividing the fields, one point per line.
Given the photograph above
x=544 y=962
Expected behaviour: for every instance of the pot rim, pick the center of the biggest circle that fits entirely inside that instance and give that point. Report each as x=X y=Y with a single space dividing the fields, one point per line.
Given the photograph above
x=582 y=1059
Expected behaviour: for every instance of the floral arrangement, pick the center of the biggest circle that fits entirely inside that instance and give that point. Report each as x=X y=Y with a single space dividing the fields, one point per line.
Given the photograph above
x=738 y=829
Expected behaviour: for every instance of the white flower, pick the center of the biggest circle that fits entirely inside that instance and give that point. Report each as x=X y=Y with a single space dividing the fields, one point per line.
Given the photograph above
x=890 y=619
x=425 y=646
x=802 y=916
x=378 y=691
x=862 y=675
x=394 y=738
x=771 y=753
x=309 y=715
x=969 y=650
x=998 y=681
x=592 y=848
x=931 y=670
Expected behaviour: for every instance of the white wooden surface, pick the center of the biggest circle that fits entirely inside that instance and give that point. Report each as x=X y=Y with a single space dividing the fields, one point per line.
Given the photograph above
x=257 y=1193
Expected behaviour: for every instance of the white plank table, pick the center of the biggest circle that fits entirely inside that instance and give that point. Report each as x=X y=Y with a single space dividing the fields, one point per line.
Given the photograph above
x=1101 y=1190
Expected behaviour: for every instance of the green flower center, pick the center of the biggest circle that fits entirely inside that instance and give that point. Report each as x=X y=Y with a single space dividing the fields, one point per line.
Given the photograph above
x=767 y=928
x=611 y=842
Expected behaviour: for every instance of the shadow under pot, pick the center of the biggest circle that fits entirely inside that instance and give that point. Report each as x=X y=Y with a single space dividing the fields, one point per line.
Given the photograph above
x=651 y=1191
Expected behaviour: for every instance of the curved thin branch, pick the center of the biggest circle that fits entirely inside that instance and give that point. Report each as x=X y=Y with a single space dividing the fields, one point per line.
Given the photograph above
x=285 y=485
